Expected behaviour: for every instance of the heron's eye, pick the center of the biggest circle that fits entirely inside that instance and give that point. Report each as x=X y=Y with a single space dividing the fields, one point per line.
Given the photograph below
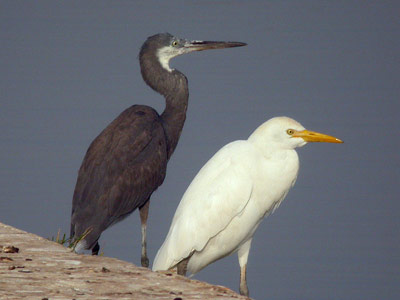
x=290 y=131
x=175 y=43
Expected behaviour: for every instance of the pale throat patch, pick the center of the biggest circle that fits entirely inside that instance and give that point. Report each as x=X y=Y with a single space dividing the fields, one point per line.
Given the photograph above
x=165 y=54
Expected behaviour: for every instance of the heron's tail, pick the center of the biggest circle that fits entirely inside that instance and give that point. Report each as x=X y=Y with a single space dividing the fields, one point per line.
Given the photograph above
x=72 y=232
x=79 y=242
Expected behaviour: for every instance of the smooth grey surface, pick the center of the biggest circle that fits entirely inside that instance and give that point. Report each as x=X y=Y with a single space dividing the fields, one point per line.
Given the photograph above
x=68 y=68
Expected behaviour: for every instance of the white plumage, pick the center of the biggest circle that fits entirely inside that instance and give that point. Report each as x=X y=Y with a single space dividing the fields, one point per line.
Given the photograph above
x=226 y=201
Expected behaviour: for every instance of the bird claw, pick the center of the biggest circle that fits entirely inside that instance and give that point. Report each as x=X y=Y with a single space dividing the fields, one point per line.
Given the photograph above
x=145 y=262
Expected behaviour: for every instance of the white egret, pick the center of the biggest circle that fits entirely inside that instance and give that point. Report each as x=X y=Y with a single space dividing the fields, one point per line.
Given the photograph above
x=242 y=183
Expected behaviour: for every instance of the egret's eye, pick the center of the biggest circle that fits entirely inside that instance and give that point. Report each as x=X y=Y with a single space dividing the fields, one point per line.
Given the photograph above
x=175 y=43
x=290 y=131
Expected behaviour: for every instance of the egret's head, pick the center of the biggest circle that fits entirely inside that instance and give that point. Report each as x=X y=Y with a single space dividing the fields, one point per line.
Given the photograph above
x=286 y=133
x=165 y=46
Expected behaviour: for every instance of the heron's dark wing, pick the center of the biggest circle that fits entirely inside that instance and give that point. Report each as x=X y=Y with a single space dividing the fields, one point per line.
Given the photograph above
x=121 y=169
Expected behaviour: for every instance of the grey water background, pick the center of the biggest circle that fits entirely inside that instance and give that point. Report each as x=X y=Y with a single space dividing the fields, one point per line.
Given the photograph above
x=68 y=68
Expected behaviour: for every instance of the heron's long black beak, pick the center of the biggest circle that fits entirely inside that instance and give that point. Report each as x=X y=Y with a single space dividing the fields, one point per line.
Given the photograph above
x=206 y=45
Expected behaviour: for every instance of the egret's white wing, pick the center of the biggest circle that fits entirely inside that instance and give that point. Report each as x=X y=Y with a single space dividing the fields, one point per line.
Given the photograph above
x=218 y=193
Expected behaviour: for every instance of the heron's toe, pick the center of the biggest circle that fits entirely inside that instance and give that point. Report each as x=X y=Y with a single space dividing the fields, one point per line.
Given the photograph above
x=145 y=261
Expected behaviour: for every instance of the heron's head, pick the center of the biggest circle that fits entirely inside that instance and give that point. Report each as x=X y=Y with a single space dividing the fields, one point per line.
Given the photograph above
x=286 y=133
x=164 y=46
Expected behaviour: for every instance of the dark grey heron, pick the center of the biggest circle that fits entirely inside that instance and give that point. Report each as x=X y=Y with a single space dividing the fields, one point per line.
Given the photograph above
x=127 y=162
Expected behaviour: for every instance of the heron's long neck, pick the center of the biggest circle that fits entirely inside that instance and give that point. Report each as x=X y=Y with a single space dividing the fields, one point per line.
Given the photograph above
x=174 y=87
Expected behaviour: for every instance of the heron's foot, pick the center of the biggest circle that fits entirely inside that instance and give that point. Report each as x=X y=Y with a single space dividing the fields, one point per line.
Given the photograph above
x=244 y=290
x=145 y=261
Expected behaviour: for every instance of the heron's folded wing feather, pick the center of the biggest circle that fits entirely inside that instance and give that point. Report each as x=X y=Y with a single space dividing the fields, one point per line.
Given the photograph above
x=109 y=186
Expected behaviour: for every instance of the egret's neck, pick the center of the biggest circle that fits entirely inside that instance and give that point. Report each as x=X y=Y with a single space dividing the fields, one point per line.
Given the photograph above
x=173 y=85
x=277 y=153
x=283 y=167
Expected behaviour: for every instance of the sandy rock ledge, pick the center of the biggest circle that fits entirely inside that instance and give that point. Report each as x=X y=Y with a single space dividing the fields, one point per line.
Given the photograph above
x=31 y=267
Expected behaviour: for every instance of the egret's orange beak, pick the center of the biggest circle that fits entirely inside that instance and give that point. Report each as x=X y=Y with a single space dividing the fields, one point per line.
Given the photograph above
x=312 y=136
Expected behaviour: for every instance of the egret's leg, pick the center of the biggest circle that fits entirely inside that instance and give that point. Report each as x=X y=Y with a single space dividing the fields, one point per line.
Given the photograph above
x=144 y=212
x=182 y=267
x=243 y=255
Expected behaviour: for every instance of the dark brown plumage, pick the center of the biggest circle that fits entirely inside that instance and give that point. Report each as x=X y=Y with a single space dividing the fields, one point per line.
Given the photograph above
x=119 y=171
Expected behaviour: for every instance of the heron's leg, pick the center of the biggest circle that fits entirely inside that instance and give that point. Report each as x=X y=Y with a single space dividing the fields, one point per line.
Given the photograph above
x=95 y=249
x=243 y=255
x=144 y=212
